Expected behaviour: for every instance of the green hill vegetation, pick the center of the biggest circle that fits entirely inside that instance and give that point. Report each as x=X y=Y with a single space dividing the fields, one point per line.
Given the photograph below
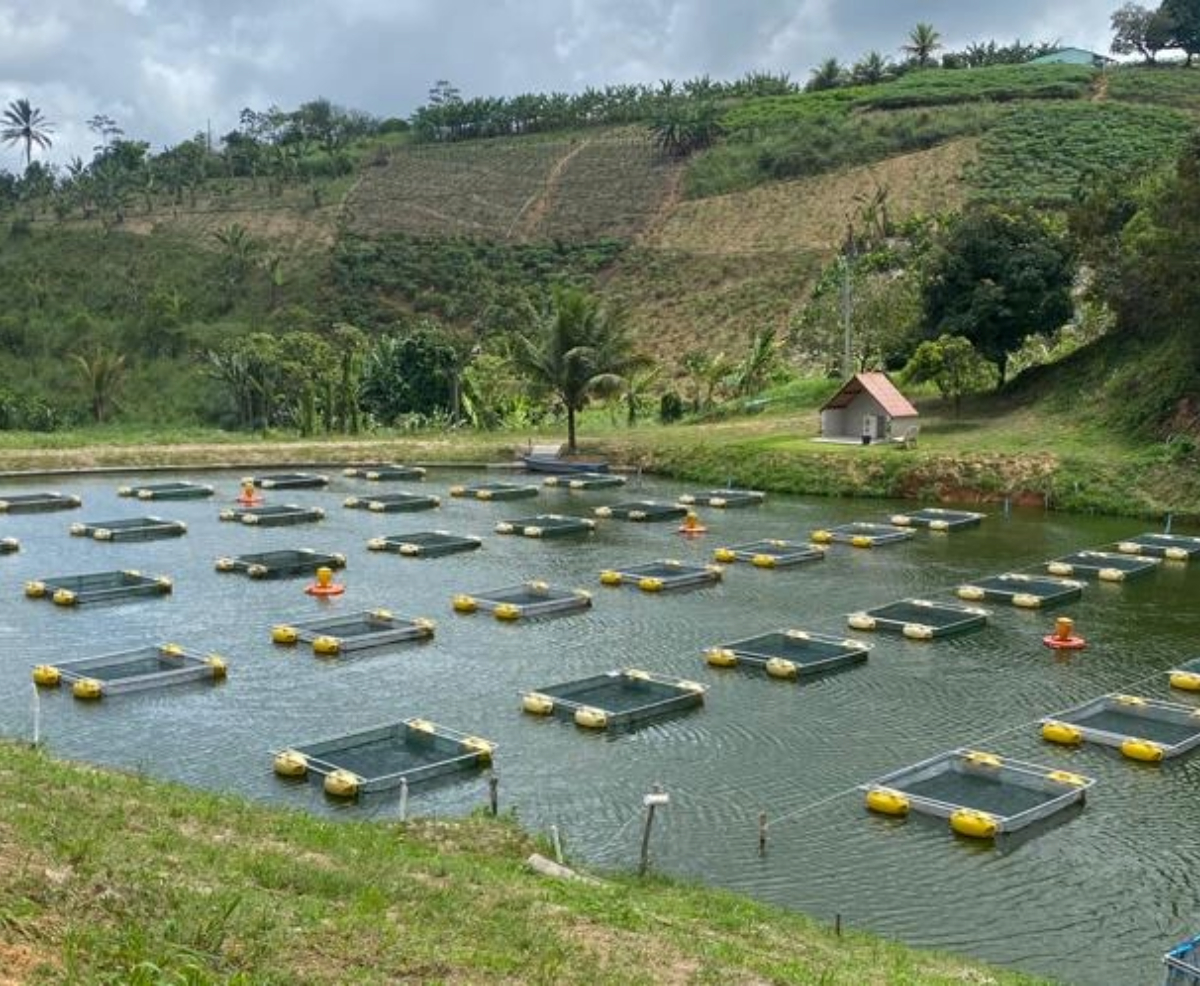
x=716 y=217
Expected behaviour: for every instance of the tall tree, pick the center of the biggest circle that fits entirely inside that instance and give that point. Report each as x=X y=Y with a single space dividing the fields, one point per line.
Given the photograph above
x=1138 y=30
x=923 y=41
x=25 y=124
x=577 y=349
x=1183 y=17
x=996 y=278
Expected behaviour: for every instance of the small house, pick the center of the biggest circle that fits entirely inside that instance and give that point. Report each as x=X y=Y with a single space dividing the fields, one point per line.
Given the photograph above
x=868 y=408
x=1071 y=56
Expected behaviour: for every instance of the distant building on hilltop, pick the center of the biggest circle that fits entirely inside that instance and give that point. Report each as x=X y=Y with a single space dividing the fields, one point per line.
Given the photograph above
x=868 y=408
x=1072 y=56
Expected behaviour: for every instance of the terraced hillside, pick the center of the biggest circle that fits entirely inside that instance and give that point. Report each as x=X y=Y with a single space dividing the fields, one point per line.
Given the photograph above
x=585 y=187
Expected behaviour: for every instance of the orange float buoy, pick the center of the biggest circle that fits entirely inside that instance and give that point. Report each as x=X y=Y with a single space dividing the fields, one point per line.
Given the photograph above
x=249 y=496
x=691 y=524
x=1064 y=637
x=325 y=586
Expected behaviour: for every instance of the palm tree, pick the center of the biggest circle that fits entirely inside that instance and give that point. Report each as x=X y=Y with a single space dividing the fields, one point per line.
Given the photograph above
x=923 y=41
x=828 y=75
x=577 y=349
x=24 y=124
x=103 y=372
x=870 y=70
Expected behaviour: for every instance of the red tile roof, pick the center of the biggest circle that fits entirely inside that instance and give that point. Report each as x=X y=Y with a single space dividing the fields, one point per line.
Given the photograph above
x=879 y=386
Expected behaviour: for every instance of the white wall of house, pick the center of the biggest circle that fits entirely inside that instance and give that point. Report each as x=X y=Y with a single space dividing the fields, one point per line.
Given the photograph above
x=863 y=415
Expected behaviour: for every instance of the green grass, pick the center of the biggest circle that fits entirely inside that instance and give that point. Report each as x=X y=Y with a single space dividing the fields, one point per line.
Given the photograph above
x=1168 y=85
x=785 y=137
x=107 y=878
x=1028 y=446
x=813 y=144
x=999 y=83
x=1041 y=155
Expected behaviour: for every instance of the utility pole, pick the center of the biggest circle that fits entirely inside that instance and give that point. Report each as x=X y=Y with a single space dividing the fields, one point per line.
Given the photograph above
x=847 y=303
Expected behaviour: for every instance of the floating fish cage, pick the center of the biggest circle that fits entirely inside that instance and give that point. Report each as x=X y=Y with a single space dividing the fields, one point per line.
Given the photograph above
x=615 y=699
x=96 y=587
x=393 y=503
x=1186 y=677
x=920 y=619
x=643 y=511
x=723 y=498
x=167 y=491
x=392 y=473
x=291 y=481
x=534 y=598
x=36 y=503
x=155 y=666
x=663 y=575
x=395 y=755
x=937 y=519
x=789 y=654
x=585 y=481
x=1174 y=547
x=981 y=794
x=495 y=491
x=547 y=526
x=770 y=553
x=130 y=529
x=1141 y=728
x=1183 y=964
x=1024 y=591
x=1107 y=566
x=281 y=564
x=283 y=515
x=9 y=546
x=426 y=544
x=333 y=635
x=862 y=534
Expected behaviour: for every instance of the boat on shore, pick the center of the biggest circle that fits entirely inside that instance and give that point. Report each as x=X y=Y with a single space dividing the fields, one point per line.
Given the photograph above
x=559 y=466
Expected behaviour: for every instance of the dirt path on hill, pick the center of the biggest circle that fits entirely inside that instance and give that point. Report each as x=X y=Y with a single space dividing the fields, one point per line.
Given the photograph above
x=535 y=209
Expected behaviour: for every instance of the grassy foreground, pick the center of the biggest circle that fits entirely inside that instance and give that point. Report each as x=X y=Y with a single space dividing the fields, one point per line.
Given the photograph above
x=107 y=877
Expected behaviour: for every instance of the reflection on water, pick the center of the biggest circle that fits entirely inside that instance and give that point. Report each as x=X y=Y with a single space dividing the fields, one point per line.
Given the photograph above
x=1094 y=899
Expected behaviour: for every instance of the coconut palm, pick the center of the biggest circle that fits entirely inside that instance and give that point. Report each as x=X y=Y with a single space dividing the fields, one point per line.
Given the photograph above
x=577 y=349
x=102 y=371
x=923 y=41
x=870 y=70
x=828 y=75
x=24 y=124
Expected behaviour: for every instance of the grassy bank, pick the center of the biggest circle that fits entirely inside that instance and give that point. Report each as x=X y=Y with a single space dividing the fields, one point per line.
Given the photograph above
x=106 y=877
x=982 y=455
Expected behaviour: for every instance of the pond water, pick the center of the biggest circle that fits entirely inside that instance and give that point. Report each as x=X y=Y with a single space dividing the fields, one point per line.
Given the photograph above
x=1095 y=897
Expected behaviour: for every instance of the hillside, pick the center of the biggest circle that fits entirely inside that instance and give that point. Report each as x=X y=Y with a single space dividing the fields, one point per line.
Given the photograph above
x=702 y=252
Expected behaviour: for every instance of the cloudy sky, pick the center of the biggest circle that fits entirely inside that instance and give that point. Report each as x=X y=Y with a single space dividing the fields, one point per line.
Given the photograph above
x=166 y=69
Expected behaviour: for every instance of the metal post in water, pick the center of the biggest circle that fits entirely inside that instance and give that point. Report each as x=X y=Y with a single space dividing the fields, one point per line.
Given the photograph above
x=1167 y=528
x=837 y=924
x=762 y=833
x=403 y=799
x=37 y=717
x=1007 y=506
x=652 y=801
x=557 y=842
x=494 y=794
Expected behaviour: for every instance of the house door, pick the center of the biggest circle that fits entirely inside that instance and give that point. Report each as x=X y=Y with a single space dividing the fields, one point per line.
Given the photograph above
x=868 y=428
